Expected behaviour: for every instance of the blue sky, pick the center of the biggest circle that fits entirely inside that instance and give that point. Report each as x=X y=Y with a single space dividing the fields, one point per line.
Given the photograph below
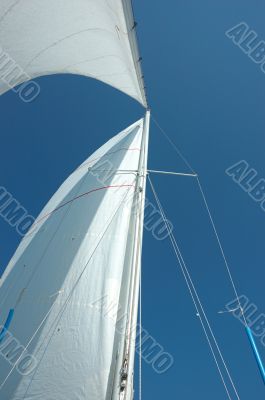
x=209 y=98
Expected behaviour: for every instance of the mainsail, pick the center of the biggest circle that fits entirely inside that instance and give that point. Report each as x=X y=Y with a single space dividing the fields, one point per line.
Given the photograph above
x=70 y=292
x=95 y=38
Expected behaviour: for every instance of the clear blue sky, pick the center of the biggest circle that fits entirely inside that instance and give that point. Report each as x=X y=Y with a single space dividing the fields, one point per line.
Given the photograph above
x=210 y=99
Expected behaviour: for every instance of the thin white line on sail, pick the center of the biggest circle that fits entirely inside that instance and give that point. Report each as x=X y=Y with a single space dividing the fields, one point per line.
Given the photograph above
x=193 y=293
x=37 y=265
x=57 y=318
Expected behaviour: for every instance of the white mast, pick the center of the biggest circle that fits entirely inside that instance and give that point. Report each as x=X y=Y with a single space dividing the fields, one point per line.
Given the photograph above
x=123 y=385
x=138 y=254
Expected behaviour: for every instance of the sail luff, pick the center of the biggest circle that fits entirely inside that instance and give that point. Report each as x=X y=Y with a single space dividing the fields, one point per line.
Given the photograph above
x=137 y=261
x=132 y=35
x=122 y=382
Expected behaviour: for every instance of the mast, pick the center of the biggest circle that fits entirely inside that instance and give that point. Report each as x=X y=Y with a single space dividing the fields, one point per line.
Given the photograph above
x=129 y=353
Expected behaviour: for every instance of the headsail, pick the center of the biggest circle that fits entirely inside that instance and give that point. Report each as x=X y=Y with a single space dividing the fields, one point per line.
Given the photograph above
x=94 y=38
x=71 y=278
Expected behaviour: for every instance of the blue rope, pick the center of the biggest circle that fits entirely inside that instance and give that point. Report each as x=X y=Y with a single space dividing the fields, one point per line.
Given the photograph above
x=256 y=352
x=7 y=324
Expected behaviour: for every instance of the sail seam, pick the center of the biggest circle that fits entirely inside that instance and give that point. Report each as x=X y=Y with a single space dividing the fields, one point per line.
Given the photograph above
x=9 y=10
x=107 y=154
x=54 y=44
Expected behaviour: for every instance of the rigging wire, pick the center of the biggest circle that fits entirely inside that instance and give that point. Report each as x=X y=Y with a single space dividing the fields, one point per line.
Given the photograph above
x=221 y=249
x=173 y=145
x=171 y=173
x=195 y=299
x=209 y=213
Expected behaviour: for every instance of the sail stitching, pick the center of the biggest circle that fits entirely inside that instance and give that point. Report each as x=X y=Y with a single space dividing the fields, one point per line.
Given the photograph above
x=9 y=10
x=54 y=44
x=92 y=60
x=107 y=154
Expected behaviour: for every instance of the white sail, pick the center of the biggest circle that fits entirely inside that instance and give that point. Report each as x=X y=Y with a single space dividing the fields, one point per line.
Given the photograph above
x=70 y=278
x=95 y=38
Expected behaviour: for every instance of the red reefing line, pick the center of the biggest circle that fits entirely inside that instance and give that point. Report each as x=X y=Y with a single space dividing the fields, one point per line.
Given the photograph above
x=78 y=197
